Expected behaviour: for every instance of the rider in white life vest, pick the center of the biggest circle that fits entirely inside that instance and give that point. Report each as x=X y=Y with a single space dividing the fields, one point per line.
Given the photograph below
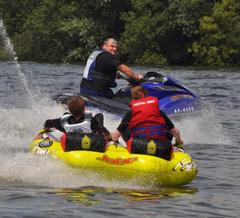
x=101 y=70
x=78 y=120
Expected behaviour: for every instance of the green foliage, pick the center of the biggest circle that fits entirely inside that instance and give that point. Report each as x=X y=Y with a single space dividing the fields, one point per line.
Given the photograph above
x=151 y=58
x=80 y=31
x=150 y=31
x=165 y=28
x=61 y=30
x=219 y=35
x=4 y=54
x=15 y=12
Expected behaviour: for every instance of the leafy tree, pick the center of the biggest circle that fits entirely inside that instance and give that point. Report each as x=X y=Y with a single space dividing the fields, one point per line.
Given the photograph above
x=62 y=30
x=219 y=35
x=162 y=30
x=150 y=31
x=14 y=13
x=97 y=21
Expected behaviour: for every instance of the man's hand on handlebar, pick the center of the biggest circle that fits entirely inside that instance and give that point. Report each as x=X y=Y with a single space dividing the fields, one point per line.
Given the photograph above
x=139 y=77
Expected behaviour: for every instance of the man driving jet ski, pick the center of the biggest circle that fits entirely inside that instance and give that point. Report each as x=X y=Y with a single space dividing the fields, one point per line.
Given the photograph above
x=101 y=70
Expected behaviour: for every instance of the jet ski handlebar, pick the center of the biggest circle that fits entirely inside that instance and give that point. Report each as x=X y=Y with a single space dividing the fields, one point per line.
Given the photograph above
x=149 y=76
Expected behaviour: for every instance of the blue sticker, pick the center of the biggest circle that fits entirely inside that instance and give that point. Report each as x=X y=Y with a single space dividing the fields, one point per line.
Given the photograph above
x=44 y=144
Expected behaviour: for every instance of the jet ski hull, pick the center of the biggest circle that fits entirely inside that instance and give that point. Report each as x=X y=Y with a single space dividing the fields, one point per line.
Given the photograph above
x=175 y=99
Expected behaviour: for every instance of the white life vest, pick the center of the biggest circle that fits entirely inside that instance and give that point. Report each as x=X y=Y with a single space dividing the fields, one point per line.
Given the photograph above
x=90 y=66
x=83 y=127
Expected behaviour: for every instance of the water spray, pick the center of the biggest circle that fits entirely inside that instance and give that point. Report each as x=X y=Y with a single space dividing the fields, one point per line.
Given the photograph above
x=10 y=49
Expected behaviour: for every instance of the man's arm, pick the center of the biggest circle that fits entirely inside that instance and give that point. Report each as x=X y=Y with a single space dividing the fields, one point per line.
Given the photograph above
x=169 y=123
x=54 y=123
x=97 y=123
x=123 y=126
x=127 y=71
x=175 y=131
x=176 y=134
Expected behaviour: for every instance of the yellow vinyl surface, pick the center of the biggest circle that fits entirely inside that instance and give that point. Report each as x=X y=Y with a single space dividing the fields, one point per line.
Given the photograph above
x=116 y=163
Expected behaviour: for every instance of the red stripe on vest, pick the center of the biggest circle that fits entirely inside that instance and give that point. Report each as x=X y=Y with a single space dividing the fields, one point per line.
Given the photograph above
x=63 y=141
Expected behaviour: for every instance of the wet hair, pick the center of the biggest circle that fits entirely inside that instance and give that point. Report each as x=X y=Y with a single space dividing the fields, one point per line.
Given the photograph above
x=76 y=106
x=138 y=92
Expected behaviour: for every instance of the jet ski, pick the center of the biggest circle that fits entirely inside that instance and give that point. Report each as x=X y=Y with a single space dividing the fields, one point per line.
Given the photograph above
x=175 y=99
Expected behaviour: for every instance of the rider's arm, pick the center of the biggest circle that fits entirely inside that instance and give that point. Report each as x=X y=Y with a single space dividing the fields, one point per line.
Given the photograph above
x=176 y=134
x=54 y=123
x=124 y=123
x=115 y=135
x=97 y=125
x=122 y=126
x=127 y=71
x=175 y=131
x=169 y=123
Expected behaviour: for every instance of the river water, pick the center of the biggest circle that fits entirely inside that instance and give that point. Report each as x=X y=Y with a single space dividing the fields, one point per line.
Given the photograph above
x=34 y=186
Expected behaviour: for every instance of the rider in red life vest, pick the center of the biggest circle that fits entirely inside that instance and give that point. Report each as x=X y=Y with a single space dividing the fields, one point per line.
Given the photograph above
x=146 y=120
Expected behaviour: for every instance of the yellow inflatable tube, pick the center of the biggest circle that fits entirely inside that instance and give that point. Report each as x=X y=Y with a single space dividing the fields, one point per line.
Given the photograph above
x=116 y=163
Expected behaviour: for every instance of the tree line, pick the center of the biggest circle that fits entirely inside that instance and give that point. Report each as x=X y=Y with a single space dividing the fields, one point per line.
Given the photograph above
x=156 y=32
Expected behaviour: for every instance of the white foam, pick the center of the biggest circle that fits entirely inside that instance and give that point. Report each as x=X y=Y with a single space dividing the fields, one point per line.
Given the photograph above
x=205 y=128
x=19 y=126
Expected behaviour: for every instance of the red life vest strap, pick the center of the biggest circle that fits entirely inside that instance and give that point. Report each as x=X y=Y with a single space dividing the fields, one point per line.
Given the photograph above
x=63 y=141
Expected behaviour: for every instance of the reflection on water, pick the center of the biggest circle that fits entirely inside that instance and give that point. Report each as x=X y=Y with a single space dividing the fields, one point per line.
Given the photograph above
x=85 y=196
x=91 y=196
